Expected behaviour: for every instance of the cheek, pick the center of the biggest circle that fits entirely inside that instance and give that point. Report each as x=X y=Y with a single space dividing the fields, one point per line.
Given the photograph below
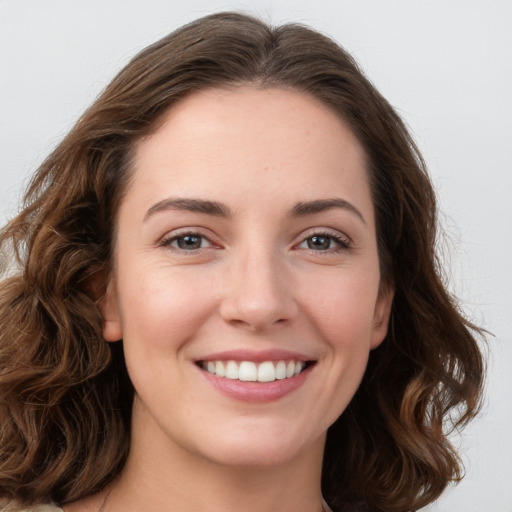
x=160 y=310
x=342 y=306
x=341 y=316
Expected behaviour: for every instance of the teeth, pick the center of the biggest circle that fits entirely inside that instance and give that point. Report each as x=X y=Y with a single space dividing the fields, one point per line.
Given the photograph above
x=266 y=372
x=290 y=369
x=248 y=371
x=281 y=370
x=219 y=369
x=232 y=370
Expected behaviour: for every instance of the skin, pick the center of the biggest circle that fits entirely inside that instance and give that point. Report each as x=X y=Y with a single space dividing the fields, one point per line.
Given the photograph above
x=258 y=281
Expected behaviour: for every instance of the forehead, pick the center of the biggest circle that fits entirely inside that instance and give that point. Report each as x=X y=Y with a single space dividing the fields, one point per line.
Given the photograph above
x=239 y=138
x=251 y=110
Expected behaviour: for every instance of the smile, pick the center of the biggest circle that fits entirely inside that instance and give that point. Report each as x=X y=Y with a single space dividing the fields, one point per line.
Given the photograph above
x=249 y=371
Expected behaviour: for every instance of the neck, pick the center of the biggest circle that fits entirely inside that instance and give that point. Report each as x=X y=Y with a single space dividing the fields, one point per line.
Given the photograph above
x=161 y=475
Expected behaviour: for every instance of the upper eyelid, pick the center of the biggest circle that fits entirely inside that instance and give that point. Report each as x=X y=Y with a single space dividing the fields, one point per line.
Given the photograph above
x=340 y=243
x=335 y=233
x=167 y=243
x=192 y=230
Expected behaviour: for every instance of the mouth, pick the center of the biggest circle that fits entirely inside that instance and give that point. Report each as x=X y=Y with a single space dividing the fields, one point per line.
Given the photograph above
x=251 y=371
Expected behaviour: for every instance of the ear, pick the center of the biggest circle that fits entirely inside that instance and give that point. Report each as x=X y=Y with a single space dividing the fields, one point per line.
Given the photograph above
x=381 y=316
x=109 y=308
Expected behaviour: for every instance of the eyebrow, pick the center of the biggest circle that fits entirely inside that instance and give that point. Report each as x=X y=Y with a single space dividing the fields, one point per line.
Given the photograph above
x=217 y=209
x=321 y=205
x=189 y=205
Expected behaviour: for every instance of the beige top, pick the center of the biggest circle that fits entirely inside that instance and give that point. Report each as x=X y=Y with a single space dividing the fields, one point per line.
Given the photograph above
x=43 y=508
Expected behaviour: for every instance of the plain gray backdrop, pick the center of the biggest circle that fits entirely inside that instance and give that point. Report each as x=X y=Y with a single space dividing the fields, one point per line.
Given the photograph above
x=445 y=65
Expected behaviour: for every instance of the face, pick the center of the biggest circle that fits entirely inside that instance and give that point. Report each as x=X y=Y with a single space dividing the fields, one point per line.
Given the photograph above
x=246 y=284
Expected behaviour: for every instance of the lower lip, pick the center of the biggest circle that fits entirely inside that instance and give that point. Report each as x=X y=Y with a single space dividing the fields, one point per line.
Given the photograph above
x=257 y=391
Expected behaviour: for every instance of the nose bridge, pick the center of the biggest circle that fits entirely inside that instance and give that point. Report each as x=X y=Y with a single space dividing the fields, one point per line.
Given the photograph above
x=258 y=294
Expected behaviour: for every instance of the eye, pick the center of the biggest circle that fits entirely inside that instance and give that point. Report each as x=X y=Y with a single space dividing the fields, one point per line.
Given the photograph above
x=323 y=242
x=186 y=242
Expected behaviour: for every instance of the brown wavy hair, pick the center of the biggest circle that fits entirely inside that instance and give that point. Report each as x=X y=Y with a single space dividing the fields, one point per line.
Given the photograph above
x=65 y=397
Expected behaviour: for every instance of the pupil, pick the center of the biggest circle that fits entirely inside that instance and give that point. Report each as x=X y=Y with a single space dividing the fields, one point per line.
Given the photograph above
x=319 y=242
x=189 y=242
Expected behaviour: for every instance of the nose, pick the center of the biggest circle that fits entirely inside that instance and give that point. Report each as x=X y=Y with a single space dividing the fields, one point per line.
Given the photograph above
x=258 y=293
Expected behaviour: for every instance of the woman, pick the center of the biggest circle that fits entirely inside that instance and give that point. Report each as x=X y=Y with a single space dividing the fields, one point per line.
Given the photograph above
x=226 y=293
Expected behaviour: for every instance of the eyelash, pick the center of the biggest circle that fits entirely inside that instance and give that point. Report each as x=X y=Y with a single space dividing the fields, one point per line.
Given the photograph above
x=342 y=243
x=168 y=241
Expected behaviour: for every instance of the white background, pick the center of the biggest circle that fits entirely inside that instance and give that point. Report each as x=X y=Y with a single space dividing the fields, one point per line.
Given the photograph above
x=444 y=64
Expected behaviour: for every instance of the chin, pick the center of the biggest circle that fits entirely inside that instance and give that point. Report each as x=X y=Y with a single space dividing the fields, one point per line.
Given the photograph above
x=256 y=458
x=265 y=449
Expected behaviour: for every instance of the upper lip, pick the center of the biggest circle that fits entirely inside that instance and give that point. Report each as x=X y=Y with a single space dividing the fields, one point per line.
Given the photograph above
x=257 y=356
